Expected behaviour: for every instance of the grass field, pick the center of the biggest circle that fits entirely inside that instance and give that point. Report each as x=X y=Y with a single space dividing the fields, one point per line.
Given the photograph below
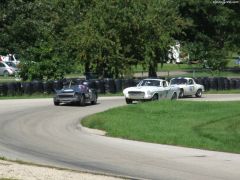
x=205 y=125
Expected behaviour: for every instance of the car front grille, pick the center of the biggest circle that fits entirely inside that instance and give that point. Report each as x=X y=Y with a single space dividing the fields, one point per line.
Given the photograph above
x=136 y=93
x=65 y=96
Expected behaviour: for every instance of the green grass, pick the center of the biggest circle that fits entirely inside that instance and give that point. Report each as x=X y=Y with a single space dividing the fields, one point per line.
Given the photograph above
x=168 y=67
x=205 y=125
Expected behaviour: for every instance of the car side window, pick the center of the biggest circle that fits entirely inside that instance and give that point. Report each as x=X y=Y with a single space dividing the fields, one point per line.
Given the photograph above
x=2 y=65
x=190 y=81
x=164 y=84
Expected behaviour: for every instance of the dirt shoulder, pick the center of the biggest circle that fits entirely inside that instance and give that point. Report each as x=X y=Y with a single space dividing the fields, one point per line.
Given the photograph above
x=13 y=170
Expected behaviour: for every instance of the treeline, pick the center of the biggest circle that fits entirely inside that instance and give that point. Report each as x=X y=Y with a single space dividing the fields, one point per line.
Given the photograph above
x=108 y=37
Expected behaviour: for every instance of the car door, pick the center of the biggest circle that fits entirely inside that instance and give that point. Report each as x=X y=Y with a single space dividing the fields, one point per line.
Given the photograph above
x=165 y=90
x=191 y=87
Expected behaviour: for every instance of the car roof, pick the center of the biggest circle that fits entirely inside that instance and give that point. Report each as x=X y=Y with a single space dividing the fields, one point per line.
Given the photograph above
x=154 y=79
x=187 y=78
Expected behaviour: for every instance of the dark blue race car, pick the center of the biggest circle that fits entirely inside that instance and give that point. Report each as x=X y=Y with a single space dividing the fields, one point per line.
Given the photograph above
x=78 y=94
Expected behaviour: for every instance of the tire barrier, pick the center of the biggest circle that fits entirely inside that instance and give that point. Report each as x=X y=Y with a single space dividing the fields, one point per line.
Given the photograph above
x=57 y=84
x=37 y=86
x=233 y=84
x=128 y=83
x=100 y=86
x=105 y=85
x=27 y=88
x=206 y=83
x=238 y=84
x=11 y=89
x=3 y=89
x=118 y=85
x=214 y=83
x=92 y=84
x=48 y=87
x=110 y=85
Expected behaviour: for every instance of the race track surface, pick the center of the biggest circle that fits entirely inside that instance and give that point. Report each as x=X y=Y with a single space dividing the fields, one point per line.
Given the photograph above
x=35 y=130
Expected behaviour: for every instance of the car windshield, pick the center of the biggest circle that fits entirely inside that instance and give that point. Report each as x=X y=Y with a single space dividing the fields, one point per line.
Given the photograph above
x=11 y=64
x=178 y=81
x=149 y=83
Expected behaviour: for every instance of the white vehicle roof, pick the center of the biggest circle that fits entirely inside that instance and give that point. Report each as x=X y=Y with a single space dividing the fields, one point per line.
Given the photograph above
x=187 y=78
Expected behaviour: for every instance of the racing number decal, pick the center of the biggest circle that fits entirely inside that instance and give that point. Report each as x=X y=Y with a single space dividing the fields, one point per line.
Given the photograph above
x=191 y=88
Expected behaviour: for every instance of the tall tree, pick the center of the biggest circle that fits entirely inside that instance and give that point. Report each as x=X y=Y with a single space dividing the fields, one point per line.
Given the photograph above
x=213 y=32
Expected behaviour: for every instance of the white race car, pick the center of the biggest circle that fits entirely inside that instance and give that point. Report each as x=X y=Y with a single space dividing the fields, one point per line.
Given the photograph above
x=150 y=89
x=188 y=87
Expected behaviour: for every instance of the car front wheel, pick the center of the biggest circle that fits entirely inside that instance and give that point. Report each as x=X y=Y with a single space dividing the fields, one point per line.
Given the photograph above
x=5 y=73
x=174 y=96
x=128 y=101
x=198 y=93
x=56 y=103
x=82 y=100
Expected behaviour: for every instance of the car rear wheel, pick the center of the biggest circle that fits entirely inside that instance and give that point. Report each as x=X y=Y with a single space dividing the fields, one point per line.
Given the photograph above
x=198 y=93
x=128 y=101
x=5 y=73
x=174 y=96
x=181 y=94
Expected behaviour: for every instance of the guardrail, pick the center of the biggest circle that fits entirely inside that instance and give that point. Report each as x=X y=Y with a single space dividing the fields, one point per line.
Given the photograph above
x=104 y=86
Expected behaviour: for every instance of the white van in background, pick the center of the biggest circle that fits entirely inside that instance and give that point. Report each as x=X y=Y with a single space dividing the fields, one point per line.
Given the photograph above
x=10 y=58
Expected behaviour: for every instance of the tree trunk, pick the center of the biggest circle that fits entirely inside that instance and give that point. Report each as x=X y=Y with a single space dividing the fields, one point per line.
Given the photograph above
x=152 y=69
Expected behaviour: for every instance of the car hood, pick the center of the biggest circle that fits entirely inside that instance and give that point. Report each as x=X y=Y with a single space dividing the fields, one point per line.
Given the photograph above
x=68 y=90
x=142 y=88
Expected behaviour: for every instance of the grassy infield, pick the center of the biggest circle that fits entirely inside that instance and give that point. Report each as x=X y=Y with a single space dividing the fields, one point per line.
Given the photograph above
x=205 y=125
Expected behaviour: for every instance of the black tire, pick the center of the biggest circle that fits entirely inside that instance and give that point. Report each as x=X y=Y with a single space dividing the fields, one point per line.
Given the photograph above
x=198 y=93
x=155 y=97
x=5 y=74
x=181 y=94
x=56 y=103
x=82 y=100
x=174 y=96
x=129 y=101
x=95 y=100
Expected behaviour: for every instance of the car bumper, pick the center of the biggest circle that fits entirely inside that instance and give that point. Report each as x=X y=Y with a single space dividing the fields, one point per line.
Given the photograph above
x=138 y=97
x=66 y=100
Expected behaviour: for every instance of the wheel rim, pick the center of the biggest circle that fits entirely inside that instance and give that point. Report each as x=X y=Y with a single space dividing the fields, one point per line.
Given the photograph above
x=5 y=74
x=155 y=98
x=199 y=93
x=174 y=96
x=181 y=94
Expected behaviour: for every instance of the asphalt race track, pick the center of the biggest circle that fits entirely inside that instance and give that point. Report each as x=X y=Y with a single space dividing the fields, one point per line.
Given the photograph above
x=35 y=130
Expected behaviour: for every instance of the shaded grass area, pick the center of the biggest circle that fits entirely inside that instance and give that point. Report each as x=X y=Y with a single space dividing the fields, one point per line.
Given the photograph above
x=205 y=125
